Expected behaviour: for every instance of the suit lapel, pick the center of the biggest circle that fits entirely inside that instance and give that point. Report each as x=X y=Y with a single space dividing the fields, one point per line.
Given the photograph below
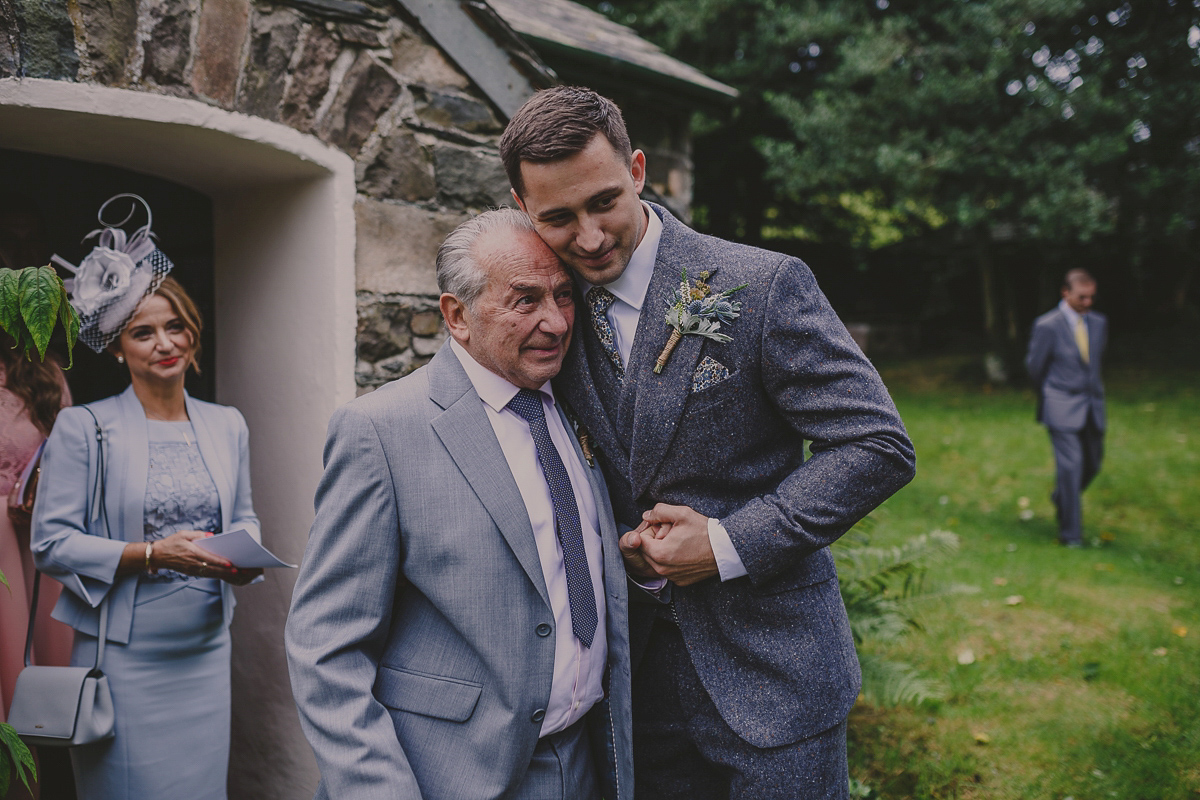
x=1093 y=329
x=214 y=459
x=579 y=388
x=132 y=440
x=658 y=400
x=615 y=585
x=468 y=437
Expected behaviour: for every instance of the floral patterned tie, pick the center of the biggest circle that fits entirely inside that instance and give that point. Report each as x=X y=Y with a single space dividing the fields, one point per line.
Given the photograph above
x=599 y=300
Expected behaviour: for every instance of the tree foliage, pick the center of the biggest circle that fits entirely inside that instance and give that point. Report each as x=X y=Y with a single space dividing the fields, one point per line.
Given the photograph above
x=1006 y=140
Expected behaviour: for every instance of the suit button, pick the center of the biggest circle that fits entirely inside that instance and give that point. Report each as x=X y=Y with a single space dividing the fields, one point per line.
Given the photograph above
x=543 y=630
x=538 y=715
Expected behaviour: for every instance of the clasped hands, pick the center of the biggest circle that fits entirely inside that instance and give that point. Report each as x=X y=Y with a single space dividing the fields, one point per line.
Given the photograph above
x=672 y=542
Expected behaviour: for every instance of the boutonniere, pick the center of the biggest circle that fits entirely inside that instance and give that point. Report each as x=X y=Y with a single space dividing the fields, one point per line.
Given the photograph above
x=585 y=444
x=694 y=309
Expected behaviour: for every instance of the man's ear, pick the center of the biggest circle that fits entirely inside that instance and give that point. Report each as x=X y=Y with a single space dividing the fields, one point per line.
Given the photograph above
x=637 y=169
x=517 y=197
x=454 y=312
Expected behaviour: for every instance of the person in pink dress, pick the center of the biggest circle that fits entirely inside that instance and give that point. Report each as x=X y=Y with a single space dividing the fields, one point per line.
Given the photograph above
x=31 y=394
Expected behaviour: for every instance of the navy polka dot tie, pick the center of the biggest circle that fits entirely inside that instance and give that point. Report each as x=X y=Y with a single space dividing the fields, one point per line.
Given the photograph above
x=580 y=593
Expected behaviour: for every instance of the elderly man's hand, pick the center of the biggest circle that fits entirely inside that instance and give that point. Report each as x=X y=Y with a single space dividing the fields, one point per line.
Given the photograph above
x=674 y=544
x=631 y=550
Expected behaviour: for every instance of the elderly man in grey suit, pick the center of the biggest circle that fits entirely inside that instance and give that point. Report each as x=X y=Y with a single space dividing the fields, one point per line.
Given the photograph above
x=459 y=626
x=1066 y=350
x=747 y=667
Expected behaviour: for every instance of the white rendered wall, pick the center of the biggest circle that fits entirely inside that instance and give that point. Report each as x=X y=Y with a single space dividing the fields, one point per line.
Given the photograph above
x=283 y=206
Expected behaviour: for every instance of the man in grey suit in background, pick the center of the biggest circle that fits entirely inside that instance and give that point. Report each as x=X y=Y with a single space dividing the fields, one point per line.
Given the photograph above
x=1066 y=350
x=747 y=669
x=459 y=626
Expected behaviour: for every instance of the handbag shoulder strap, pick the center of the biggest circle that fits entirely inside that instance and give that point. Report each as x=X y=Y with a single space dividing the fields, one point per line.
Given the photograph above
x=98 y=488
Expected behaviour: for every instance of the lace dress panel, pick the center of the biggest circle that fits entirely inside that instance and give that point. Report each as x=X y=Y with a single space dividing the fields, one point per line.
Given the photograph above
x=180 y=493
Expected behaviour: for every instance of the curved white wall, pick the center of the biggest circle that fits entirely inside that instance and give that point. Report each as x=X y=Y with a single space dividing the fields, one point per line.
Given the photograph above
x=283 y=206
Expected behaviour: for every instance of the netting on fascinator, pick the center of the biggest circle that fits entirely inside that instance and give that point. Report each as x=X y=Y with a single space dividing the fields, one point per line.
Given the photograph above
x=116 y=276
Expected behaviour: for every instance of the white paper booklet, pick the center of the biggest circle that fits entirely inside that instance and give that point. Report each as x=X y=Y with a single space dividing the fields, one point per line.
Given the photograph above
x=241 y=548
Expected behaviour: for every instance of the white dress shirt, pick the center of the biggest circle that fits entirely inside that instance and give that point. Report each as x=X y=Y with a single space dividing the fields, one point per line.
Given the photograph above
x=630 y=293
x=578 y=670
x=1071 y=313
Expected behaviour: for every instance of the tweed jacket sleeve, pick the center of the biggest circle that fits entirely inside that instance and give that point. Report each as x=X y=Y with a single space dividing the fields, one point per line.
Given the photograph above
x=818 y=380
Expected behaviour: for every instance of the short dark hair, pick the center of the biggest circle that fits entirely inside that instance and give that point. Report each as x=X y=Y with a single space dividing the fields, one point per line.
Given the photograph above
x=560 y=122
x=1078 y=275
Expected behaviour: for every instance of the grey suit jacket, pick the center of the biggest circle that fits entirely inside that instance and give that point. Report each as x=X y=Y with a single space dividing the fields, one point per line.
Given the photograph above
x=69 y=541
x=1068 y=389
x=773 y=648
x=413 y=639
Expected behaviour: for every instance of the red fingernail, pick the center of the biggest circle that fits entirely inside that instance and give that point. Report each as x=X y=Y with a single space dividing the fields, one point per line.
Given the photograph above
x=233 y=569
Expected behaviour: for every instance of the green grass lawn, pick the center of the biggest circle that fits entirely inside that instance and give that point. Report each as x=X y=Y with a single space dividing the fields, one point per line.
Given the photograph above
x=1086 y=674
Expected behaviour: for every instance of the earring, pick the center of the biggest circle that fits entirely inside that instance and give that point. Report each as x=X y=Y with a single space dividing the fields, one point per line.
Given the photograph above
x=120 y=359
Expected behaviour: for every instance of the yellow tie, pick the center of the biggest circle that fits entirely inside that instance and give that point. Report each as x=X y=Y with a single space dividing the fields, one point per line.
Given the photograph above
x=1081 y=339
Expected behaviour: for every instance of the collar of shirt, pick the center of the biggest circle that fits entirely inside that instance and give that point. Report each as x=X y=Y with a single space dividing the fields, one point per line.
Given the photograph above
x=631 y=287
x=1070 y=313
x=491 y=388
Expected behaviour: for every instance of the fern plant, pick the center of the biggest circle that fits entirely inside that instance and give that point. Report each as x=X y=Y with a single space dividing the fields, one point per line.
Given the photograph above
x=879 y=587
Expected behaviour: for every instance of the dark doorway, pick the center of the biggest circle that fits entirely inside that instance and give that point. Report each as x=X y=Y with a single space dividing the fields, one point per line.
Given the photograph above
x=47 y=206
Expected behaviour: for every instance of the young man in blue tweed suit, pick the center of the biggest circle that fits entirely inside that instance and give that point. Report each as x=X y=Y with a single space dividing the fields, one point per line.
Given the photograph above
x=747 y=666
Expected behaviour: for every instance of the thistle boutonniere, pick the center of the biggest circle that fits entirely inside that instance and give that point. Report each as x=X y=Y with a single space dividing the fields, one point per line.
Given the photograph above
x=695 y=309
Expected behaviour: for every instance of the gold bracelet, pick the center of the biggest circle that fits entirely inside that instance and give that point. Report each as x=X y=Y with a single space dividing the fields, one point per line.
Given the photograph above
x=149 y=552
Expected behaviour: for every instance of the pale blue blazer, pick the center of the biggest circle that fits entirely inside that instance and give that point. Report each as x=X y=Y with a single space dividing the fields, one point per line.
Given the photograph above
x=68 y=538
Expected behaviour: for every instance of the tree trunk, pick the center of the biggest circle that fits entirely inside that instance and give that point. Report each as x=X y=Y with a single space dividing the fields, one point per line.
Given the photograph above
x=994 y=362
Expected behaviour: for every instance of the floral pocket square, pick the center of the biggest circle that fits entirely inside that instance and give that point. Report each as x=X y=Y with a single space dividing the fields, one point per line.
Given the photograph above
x=708 y=373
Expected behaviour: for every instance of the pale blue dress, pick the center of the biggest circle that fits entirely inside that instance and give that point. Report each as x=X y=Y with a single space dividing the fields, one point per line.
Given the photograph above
x=170 y=684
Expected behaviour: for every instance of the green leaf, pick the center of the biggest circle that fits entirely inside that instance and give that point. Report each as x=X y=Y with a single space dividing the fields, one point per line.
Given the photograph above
x=10 y=301
x=22 y=759
x=41 y=294
x=21 y=335
x=70 y=322
x=4 y=580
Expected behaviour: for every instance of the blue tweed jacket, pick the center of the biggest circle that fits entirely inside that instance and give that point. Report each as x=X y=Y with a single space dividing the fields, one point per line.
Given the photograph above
x=773 y=648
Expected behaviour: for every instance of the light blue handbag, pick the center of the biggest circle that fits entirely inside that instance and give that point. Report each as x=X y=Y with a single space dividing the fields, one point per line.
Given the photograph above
x=66 y=706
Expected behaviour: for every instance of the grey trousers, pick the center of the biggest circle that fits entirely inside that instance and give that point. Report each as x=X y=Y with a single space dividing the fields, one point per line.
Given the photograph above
x=1077 y=457
x=561 y=768
x=684 y=750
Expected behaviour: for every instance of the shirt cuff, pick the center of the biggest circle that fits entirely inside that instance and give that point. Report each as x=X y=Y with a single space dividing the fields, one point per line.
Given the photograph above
x=729 y=565
x=652 y=585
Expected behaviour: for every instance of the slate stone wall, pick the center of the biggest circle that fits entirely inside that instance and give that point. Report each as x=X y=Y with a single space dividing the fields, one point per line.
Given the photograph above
x=424 y=140
x=361 y=76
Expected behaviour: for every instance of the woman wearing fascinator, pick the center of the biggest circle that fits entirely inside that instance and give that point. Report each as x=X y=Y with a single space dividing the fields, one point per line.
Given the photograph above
x=172 y=471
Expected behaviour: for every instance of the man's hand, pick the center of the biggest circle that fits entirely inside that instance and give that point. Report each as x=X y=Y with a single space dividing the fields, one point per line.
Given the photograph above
x=635 y=560
x=674 y=544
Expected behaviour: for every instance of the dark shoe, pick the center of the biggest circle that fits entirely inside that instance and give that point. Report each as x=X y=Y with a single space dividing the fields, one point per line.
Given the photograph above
x=1074 y=544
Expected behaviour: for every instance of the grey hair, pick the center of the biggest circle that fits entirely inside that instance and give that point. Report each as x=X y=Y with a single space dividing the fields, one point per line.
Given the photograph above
x=458 y=272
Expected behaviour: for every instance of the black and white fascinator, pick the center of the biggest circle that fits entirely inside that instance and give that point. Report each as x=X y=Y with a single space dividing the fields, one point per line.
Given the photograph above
x=116 y=276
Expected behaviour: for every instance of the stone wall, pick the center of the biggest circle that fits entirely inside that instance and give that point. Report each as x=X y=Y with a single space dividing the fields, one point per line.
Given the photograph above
x=423 y=138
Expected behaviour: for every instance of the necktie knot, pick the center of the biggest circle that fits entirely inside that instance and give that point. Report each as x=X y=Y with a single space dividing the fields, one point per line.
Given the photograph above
x=599 y=300
x=527 y=404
